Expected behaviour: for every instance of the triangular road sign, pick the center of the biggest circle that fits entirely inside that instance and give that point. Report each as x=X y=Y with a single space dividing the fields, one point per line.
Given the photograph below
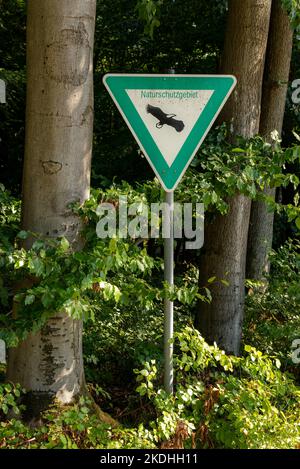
x=169 y=115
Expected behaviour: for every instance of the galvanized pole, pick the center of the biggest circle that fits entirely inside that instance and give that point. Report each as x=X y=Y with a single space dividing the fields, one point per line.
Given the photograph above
x=168 y=306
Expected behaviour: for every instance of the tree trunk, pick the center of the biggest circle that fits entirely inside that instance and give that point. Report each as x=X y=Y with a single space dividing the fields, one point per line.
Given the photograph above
x=276 y=76
x=226 y=238
x=59 y=126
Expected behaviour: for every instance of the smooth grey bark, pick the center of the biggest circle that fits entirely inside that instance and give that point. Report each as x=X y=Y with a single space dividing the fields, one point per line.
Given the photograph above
x=225 y=245
x=59 y=127
x=275 y=84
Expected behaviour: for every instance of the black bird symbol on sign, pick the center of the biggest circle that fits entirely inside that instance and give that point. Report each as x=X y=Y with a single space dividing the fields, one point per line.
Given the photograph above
x=164 y=119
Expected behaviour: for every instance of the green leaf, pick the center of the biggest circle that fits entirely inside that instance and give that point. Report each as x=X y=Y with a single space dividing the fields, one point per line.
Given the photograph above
x=277 y=363
x=22 y=234
x=238 y=150
x=117 y=294
x=64 y=244
x=225 y=282
x=4 y=408
x=29 y=299
x=17 y=392
x=47 y=299
x=84 y=410
x=36 y=266
x=19 y=263
x=211 y=279
x=142 y=389
x=113 y=245
x=63 y=439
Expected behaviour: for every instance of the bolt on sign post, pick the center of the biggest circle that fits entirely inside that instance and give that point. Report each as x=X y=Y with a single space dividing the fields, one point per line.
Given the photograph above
x=169 y=116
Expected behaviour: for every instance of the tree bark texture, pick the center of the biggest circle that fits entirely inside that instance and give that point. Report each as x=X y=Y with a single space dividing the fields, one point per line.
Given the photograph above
x=225 y=245
x=275 y=84
x=59 y=132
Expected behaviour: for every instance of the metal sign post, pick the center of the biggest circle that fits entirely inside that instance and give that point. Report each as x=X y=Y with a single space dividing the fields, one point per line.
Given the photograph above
x=2 y=101
x=168 y=306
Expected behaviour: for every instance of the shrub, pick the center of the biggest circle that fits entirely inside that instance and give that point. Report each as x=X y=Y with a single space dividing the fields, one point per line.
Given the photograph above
x=273 y=317
x=223 y=401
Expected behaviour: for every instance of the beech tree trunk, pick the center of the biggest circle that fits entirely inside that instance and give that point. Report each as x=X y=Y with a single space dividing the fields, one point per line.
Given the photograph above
x=59 y=127
x=225 y=242
x=275 y=84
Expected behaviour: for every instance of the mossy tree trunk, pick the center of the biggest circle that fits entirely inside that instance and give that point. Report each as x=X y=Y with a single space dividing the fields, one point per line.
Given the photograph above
x=225 y=243
x=59 y=129
x=275 y=84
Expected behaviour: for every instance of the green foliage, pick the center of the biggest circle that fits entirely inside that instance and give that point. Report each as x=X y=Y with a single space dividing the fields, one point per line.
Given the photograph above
x=9 y=396
x=71 y=281
x=118 y=282
x=116 y=285
x=75 y=426
x=15 y=435
x=293 y=9
x=12 y=71
x=221 y=170
x=9 y=226
x=9 y=217
x=122 y=337
x=149 y=11
x=190 y=42
x=272 y=316
x=220 y=401
x=12 y=34
x=129 y=331
x=223 y=401
x=113 y=274
x=72 y=427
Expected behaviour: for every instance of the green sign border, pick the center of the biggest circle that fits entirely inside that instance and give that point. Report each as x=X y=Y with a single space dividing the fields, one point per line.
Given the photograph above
x=221 y=85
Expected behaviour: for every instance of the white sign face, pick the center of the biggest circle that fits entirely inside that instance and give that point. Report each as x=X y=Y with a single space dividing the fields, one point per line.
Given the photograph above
x=2 y=92
x=169 y=115
x=182 y=107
